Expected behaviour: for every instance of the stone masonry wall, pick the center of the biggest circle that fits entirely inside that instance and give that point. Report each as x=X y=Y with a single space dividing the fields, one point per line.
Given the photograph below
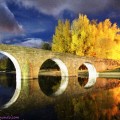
x=31 y=59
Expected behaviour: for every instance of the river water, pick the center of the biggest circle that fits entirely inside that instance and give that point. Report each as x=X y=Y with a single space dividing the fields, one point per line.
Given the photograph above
x=37 y=100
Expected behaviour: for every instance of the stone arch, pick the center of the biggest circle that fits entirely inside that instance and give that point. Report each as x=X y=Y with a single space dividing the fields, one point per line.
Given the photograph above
x=64 y=76
x=18 y=80
x=92 y=74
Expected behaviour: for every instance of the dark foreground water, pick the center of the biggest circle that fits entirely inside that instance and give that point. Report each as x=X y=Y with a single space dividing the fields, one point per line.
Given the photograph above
x=7 y=87
x=42 y=99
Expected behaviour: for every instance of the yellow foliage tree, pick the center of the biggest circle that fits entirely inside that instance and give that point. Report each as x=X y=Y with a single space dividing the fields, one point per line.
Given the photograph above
x=57 y=44
x=105 y=40
x=62 y=37
x=82 y=36
x=88 y=38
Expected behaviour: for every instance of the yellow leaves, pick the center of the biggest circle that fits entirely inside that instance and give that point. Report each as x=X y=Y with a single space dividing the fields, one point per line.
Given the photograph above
x=62 y=37
x=88 y=38
x=83 y=34
x=84 y=20
x=74 y=42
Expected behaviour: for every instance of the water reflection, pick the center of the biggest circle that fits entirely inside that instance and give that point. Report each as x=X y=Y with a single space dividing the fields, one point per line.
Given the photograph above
x=7 y=87
x=88 y=70
x=53 y=85
x=87 y=82
x=49 y=84
x=101 y=102
x=82 y=81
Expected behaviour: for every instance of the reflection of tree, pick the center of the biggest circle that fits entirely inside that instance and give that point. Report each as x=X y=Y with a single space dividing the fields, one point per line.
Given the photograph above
x=65 y=109
x=82 y=81
x=7 y=80
x=49 y=84
x=91 y=106
x=85 y=107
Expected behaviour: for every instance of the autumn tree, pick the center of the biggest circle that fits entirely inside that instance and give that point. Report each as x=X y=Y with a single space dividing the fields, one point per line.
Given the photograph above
x=82 y=36
x=62 y=38
x=106 y=39
x=92 y=38
x=87 y=38
x=67 y=36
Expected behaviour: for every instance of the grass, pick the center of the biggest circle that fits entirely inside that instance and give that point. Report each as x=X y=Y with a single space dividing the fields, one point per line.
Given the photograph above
x=114 y=70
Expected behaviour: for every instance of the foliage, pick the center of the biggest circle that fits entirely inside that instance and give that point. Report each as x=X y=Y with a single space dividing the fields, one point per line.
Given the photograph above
x=86 y=37
x=62 y=37
x=46 y=46
x=6 y=64
x=49 y=64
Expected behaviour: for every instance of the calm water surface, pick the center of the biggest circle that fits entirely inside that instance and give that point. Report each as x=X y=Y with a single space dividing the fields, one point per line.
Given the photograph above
x=36 y=100
x=7 y=87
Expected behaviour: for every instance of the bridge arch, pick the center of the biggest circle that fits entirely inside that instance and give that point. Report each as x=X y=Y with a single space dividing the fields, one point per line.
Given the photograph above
x=18 y=80
x=64 y=76
x=92 y=74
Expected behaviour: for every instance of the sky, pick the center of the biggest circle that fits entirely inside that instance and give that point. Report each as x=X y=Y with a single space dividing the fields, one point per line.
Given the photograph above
x=32 y=22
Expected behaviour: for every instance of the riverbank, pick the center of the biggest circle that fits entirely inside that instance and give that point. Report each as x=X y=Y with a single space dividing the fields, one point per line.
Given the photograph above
x=106 y=74
x=7 y=72
x=50 y=73
x=109 y=74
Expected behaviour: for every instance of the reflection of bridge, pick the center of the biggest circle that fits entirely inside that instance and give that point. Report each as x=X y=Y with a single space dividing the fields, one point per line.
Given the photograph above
x=32 y=99
x=28 y=61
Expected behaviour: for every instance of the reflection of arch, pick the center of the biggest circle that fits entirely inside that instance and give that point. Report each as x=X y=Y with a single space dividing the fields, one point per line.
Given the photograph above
x=64 y=76
x=62 y=66
x=18 y=80
x=92 y=75
x=63 y=86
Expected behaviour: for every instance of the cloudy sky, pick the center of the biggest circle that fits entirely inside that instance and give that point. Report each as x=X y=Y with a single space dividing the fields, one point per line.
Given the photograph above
x=31 y=22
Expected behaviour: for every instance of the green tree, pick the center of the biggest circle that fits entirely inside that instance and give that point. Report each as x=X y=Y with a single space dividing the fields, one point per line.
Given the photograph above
x=46 y=46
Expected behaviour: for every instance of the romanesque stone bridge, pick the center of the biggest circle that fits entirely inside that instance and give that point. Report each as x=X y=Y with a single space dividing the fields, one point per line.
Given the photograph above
x=28 y=61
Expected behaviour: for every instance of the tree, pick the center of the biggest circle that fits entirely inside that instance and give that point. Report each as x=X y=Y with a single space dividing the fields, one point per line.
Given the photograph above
x=62 y=38
x=46 y=46
x=82 y=42
x=88 y=38
x=57 y=43
x=67 y=36
x=105 y=39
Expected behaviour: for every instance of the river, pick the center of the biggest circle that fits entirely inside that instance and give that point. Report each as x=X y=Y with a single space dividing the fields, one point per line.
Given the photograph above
x=39 y=100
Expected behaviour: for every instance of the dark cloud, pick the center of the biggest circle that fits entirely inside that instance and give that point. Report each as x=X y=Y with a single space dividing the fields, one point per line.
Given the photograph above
x=8 y=22
x=50 y=7
x=115 y=4
x=54 y=7
x=88 y=6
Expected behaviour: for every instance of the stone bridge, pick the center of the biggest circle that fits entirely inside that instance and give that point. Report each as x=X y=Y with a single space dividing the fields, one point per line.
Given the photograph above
x=28 y=61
